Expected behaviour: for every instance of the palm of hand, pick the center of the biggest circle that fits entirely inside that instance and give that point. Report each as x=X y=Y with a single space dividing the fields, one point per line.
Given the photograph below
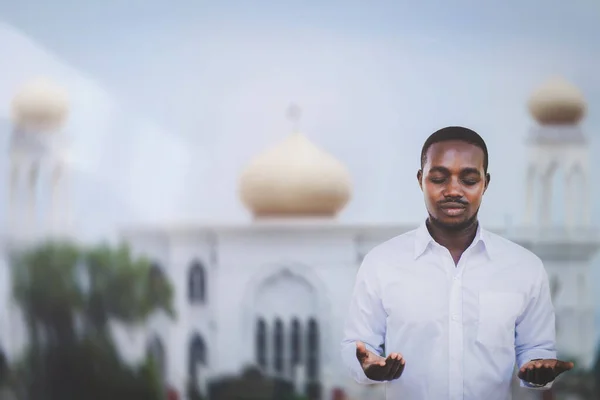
x=378 y=368
x=541 y=372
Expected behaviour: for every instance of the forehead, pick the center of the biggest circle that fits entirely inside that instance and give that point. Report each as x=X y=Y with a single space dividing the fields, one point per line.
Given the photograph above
x=454 y=154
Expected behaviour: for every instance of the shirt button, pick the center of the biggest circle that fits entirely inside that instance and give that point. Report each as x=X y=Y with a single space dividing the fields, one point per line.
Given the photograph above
x=455 y=317
x=457 y=278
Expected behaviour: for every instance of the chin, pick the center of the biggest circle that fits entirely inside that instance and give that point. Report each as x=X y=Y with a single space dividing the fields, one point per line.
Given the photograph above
x=452 y=224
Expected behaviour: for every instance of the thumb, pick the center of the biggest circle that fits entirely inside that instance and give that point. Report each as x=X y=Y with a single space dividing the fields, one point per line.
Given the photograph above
x=361 y=348
x=565 y=366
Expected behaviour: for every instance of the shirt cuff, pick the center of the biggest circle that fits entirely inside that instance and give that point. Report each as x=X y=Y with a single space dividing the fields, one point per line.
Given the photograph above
x=535 y=354
x=536 y=387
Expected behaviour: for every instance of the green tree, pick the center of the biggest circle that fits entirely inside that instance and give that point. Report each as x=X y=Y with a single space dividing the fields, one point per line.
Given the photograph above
x=68 y=295
x=3 y=369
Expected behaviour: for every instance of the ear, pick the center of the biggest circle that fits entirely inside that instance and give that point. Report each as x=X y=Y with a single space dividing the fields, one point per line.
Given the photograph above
x=420 y=178
x=488 y=177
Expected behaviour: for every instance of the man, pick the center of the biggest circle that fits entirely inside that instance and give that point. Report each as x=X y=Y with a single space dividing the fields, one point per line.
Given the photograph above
x=453 y=304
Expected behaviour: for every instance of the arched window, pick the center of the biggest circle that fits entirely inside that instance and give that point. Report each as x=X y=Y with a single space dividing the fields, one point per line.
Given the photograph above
x=296 y=340
x=156 y=351
x=261 y=343
x=312 y=353
x=197 y=283
x=278 y=353
x=197 y=355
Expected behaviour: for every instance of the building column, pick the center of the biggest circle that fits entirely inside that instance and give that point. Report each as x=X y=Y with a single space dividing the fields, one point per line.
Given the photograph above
x=585 y=198
x=31 y=201
x=569 y=201
x=530 y=194
x=546 y=200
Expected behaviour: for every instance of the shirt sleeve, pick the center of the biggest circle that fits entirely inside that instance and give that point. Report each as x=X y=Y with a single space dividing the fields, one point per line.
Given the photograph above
x=365 y=322
x=535 y=336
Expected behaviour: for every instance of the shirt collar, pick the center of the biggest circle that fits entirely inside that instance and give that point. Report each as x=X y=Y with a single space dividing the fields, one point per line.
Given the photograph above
x=423 y=240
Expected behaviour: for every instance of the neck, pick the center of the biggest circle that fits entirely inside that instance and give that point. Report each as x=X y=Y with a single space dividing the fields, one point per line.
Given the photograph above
x=453 y=239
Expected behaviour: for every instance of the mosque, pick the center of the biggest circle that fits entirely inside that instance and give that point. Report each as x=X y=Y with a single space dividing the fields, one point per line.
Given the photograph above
x=274 y=292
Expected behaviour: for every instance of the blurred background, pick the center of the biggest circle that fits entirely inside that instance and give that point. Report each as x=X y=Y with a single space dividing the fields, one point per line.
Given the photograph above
x=190 y=187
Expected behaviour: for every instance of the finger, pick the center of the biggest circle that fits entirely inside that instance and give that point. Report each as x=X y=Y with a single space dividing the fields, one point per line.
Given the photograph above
x=361 y=349
x=523 y=370
x=378 y=360
x=546 y=374
x=389 y=364
x=529 y=374
x=361 y=352
x=524 y=375
x=562 y=366
x=360 y=346
x=400 y=369
x=396 y=365
x=396 y=356
x=537 y=375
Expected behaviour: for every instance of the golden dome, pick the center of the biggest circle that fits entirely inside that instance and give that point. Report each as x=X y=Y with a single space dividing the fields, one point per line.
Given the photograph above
x=40 y=105
x=295 y=178
x=557 y=102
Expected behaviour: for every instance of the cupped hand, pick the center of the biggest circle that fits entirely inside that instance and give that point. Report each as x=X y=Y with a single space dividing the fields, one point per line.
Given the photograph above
x=378 y=368
x=541 y=372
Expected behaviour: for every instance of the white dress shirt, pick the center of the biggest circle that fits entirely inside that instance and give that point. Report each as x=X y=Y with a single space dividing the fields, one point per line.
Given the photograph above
x=459 y=327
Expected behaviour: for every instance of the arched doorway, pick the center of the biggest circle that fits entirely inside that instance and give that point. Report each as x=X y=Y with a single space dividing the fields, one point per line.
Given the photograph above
x=286 y=324
x=197 y=355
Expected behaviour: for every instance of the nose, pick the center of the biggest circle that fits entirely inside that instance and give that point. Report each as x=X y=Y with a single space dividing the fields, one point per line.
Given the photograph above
x=453 y=189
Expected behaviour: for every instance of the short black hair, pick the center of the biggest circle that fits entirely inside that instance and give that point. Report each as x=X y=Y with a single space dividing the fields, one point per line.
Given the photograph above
x=455 y=133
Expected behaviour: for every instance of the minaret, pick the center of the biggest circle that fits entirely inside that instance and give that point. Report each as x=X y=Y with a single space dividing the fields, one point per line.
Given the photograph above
x=37 y=184
x=557 y=145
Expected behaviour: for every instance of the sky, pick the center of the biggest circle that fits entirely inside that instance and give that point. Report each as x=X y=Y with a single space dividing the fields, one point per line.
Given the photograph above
x=172 y=99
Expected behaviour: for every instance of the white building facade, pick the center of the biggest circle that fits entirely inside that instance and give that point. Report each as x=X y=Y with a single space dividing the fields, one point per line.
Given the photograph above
x=274 y=293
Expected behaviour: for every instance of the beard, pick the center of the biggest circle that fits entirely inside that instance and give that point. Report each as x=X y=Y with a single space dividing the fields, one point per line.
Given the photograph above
x=453 y=226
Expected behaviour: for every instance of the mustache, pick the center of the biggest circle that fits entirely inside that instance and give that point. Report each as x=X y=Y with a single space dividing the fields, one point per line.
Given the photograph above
x=454 y=201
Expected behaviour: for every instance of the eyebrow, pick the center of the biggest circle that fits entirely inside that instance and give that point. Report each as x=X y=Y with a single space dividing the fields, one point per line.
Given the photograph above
x=464 y=171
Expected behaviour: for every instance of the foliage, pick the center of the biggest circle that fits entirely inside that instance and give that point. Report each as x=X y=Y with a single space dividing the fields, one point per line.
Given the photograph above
x=253 y=385
x=3 y=369
x=68 y=295
x=596 y=374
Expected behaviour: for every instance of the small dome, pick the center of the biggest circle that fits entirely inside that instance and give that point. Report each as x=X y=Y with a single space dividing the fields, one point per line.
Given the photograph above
x=40 y=105
x=295 y=178
x=557 y=102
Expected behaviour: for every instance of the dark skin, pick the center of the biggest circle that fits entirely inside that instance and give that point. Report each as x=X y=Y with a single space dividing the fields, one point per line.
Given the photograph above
x=379 y=368
x=541 y=372
x=453 y=181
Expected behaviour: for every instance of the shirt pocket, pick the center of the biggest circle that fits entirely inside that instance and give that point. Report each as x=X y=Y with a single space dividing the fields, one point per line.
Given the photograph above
x=498 y=313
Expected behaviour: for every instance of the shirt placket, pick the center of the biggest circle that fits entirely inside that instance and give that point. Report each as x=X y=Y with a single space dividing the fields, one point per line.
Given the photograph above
x=456 y=330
